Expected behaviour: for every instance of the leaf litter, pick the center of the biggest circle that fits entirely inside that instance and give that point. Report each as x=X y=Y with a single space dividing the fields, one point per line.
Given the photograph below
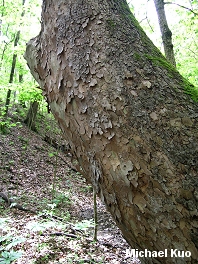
x=61 y=229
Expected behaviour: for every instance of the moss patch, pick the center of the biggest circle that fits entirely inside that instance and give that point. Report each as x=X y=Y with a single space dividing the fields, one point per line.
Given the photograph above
x=160 y=61
x=172 y=71
x=190 y=89
x=111 y=23
x=137 y=56
x=187 y=86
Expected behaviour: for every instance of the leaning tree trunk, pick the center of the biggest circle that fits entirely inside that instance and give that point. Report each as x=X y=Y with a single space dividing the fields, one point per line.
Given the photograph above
x=123 y=109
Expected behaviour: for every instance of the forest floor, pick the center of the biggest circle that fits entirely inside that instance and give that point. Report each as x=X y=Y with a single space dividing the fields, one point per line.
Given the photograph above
x=58 y=224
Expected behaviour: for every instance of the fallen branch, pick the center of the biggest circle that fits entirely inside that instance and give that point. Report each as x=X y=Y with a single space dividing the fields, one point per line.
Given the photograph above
x=59 y=234
x=13 y=204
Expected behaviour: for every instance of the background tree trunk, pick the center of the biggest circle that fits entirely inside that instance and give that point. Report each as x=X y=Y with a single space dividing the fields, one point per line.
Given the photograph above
x=122 y=108
x=31 y=115
x=165 y=31
x=10 y=81
x=16 y=40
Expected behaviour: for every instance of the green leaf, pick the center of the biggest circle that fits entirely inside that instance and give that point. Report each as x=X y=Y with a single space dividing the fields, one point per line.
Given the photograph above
x=36 y=226
x=9 y=256
x=15 y=241
x=51 y=154
x=85 y=224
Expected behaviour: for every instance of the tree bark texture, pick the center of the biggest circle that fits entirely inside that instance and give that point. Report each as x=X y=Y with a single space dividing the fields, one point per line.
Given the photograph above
x=165 y=31
x=123 y=109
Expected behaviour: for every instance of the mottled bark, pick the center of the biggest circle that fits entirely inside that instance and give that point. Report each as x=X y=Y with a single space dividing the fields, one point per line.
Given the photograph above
x=123 y=110
x=165 y=31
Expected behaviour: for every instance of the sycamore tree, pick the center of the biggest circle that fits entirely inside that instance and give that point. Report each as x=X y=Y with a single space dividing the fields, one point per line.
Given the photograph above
x=128 y=118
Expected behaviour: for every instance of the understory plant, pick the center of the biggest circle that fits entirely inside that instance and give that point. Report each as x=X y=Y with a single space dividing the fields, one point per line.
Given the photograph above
x=8 y=242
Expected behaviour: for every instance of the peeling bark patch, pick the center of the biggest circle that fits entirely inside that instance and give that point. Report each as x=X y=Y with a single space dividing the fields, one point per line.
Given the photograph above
x=140 y=202
x=154 y=116
x=93 y=83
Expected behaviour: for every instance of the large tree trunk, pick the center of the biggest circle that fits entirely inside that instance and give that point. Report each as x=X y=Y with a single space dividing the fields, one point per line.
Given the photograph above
x=123 y=109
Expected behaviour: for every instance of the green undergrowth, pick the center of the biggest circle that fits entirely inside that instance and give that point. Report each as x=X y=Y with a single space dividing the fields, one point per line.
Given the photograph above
x=12 y=245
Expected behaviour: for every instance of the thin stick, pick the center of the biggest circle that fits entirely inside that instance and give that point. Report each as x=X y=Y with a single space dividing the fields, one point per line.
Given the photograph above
x=95 y=215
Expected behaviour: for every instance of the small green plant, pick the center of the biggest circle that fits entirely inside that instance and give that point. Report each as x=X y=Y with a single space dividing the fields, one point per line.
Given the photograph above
x=3 y=127
x=23 y=140
x=40 y=226
x=52 y=207
x=8 y=256
x=53 y=211
x=87 y=189
x=6 y=125
x=84 y=225
x=4 y=223
x=46 y=257
x=7 y=243
x=42 y=245
x=61 y=198
x=52 y=154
